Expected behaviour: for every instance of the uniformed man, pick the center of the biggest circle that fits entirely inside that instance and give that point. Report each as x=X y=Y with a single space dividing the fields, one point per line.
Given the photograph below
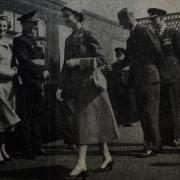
x=33 y=73
x=119 y=91
x=170 y=77
x=143 y=53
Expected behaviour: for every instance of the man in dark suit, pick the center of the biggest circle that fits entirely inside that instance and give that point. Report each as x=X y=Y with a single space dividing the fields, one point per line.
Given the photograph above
x=170 y=78
x=143 y=54
x=33 y=73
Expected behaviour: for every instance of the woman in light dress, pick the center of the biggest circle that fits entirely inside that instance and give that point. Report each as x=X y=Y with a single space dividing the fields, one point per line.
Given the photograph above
x=8 y=117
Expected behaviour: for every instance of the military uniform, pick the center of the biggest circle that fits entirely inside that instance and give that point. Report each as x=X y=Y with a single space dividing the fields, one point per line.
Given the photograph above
x=170 y=92
x=31 y=66
x=30 y=100
x=170 y=77
x=143 y=54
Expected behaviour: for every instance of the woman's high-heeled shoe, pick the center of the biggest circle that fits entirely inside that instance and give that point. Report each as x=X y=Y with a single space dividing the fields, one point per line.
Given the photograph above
x=108 y=167
x=82 y=174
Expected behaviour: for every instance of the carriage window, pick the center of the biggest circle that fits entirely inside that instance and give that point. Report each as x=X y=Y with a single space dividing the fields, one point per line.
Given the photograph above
x=16 y=25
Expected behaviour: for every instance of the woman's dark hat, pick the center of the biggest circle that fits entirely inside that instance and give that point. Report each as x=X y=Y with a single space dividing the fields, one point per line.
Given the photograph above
x=28 y=17
x=75 y=8
x=155 y=12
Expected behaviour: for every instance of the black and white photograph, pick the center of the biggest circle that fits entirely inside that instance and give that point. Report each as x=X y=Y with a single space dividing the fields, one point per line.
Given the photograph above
x=89 y=89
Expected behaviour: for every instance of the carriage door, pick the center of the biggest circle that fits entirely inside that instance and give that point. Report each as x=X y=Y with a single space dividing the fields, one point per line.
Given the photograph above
x=64 y=32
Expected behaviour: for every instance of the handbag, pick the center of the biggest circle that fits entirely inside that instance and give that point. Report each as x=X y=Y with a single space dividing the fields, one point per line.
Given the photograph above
x=98 y=77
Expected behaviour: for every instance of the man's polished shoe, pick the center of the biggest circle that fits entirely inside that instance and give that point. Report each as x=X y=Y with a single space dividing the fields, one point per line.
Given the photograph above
x=41 y=152
x=176 y=143
x=146 y=154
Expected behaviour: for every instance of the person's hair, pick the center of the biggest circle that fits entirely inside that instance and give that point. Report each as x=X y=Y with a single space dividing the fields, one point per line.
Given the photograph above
x=5 y=18
x=75 y=13
x=125 y=13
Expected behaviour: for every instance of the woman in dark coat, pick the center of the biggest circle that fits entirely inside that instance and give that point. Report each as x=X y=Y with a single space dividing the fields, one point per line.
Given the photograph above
x=8 y=117
x=93 y=118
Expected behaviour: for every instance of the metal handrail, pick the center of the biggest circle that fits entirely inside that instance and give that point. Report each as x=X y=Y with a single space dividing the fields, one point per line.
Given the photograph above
x=172 y=19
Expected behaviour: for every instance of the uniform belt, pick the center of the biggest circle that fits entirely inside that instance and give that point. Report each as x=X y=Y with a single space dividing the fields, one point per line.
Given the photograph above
x=38 y=61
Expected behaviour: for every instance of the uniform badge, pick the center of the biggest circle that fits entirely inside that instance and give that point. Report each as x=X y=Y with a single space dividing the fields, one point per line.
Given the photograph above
x=166 y=42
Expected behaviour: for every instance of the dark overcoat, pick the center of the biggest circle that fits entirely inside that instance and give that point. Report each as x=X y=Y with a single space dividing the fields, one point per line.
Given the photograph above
x=93 y=118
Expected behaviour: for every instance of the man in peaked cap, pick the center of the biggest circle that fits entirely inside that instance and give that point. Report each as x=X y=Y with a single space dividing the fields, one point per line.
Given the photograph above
x=33 y=72
x=29 y=17
x=155 y=12
x=143 y=53
x=170 y=77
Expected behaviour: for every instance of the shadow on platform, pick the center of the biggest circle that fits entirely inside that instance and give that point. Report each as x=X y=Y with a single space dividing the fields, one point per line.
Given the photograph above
x=165 y=164
x=171 y=151
x=40 y=173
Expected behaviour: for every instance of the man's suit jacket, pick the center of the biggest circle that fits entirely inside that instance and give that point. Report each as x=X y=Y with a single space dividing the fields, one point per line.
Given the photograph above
x=143 y=54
